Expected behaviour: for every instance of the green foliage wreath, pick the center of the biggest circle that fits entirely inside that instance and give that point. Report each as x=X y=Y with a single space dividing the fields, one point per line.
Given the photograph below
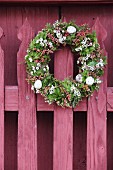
x=91 y=63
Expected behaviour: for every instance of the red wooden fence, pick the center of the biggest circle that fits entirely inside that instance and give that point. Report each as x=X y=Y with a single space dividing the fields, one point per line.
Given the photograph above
x=20 y=98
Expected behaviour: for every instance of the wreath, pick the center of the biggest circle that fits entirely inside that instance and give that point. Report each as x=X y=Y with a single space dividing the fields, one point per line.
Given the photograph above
x=91 y=63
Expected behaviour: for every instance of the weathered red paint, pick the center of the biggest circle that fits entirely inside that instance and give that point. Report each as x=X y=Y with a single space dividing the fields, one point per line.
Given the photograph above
x=1 y=105
x=96 y=124
x=11 y=98
x=27 y=125
x=60 y=1
x=63 y=117
x=12 y=17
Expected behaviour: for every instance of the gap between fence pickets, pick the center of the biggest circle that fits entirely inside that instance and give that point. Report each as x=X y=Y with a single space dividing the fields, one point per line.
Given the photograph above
x=11 y=101
x=1 y=105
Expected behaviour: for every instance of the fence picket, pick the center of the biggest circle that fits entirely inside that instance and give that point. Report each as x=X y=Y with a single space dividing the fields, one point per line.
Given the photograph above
x=63 y=118
x=96 y=124
x=27 y=125
x=1 y=105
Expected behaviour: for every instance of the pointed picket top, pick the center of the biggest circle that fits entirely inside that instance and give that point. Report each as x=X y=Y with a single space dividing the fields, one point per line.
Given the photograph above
x=27 y=123
x=100 y=31
x=25 y=30
x=96 y=123
x=1 y=104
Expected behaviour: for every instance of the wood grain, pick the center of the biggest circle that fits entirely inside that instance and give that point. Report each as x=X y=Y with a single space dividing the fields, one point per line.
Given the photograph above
x=63 y=118
x=96 y=123
x=27 y=125
x=110 y=99
x=58 y=1
x=11 y=98
x=1 y=105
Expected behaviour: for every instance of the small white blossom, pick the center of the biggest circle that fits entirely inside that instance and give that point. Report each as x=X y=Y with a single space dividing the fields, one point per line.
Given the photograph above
x=50 y=44
x=78 y=49
x=64 y=38
x=45 y=41
x=77 y=93
x=28 y=51
x=61 y=40
x=73 y=88
x=37 y=41
x=38 y=84
x=89 y=80
x=71 y=29
x=47 y=67
x=98 y=81
x=78 y=61
x=51 y=90
x=42 y=44
x=38 y=64
x=44 y=69
x=41 y=39
x=26 y=57
x=37 y=68
x=32 y=87
x=37 y=91
x=54 y=31
x=91 y=68
x=31 y=72
x=58 y=34
x=79 y=78
x=30 y=59
x=33 y=67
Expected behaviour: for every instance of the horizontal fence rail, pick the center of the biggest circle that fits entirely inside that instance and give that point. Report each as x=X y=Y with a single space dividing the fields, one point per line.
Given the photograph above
x=11 y=101
x=20 y=98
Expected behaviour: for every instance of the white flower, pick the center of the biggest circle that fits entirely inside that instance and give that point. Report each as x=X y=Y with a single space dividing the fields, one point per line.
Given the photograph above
x=78 y=61
x=54 y=31
x=31 y=72
x=42 y=44
x=26 y=57
x=78 y=49
x=37 y=41
x=47 y=67
x=45 y=41
x=37 y=91
x=41 y=39
x=33 y=67
x=61 y=40
x=37 y=68
x=73 y=88
x=58 y=34
x=79 y=78
x=64 y=38
x=38 y=64
x=30 y=59
x=38 y=84
x=51 y=90
x=98 y=81
x=44 y=69
x=77 y=93
x=89 y=80
x=91 y=68
x=101 y=61
x=71 y=29
x=32 y=87
x=50 y=44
